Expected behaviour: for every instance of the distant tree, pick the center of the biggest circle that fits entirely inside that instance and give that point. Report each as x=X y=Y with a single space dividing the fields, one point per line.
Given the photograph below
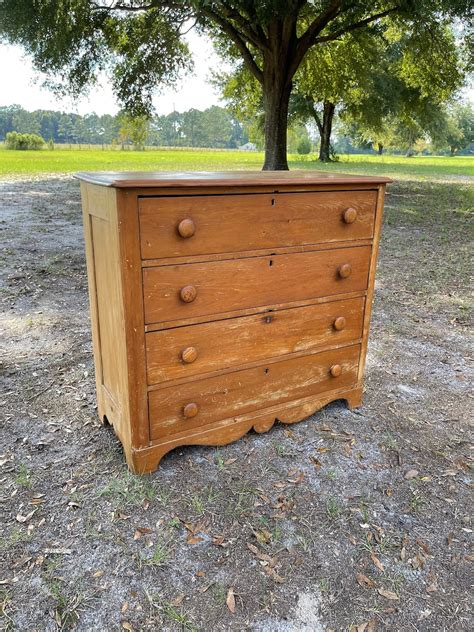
x=25 y=122
x=133 y=129
x=459 y=128
x=405 y=92
x=304 y=146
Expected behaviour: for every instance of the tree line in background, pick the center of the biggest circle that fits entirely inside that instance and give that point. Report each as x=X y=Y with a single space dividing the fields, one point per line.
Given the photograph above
x=214 y=127
x=218 y=127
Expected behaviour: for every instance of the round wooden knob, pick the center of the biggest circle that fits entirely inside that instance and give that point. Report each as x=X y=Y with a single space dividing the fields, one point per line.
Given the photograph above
x=339 y=323
x=190 y=410
x=189 y=354
x=350 y=215
x=188 y=293
x=336 y=370
x=186 y=228
x=345 y=270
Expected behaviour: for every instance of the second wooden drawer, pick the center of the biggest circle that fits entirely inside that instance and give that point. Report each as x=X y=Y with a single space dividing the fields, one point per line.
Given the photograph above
x=179 y=292
x=186 y=351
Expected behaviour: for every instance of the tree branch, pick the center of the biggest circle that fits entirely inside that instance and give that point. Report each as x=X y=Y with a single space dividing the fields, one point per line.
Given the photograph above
x=308 y=37
x=235 y=36
x=353 y=27
x=154 y=4
x=256 y=36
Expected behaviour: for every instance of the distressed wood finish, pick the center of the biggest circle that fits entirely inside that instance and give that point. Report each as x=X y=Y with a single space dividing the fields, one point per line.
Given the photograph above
x=222 y=302
x=240 y=392
x=235 y=341
x=173 y=227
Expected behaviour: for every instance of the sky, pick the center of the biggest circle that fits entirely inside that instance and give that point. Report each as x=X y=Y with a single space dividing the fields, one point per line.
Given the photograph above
x=22 y=85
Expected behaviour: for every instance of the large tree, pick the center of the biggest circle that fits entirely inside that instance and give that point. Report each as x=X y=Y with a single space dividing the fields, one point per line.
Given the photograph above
x=140 y=41
x=407 y=89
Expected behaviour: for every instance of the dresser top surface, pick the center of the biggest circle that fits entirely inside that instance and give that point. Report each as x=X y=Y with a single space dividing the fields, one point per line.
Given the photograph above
x=164 y=179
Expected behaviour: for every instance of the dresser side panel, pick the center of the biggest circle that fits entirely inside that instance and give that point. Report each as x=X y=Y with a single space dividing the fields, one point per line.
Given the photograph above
x=106 y=305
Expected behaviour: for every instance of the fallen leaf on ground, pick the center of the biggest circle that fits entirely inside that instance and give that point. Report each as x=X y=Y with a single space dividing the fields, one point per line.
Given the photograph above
x=177 y=600
x=296 y=480
x=260 y=554
x=432 y=588
x=377 y=562
x=271 y=572
x=193 y=539
x=411 y=474
x=22 y=519
x=388 y=594
x=126 y=626
x=423 y=545
x=364 y=581
x=230 y=601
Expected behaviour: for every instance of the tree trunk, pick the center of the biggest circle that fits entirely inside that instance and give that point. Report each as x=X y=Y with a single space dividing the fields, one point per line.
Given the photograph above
x=325 y=132
x=276 y=92
x=379 y=149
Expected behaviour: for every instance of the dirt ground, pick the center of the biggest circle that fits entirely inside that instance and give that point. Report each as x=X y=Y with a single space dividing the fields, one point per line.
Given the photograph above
x=347 y=521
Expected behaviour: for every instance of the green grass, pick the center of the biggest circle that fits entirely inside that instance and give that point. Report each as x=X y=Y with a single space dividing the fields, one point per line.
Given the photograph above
x=72 y=160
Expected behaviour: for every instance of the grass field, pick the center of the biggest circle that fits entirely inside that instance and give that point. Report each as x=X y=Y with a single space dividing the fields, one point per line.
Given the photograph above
x=71 y=160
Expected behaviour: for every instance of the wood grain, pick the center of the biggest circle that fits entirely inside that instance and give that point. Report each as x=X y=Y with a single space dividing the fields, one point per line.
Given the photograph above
x=209 y=179
x=258 y=281
x=176 y=227
x=239 y=341
x=250 y=389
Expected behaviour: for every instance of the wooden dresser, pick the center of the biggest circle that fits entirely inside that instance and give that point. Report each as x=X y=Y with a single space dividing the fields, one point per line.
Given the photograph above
x=223 y=302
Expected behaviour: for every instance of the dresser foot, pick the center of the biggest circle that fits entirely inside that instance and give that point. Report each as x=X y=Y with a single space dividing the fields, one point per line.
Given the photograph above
x=354 y=398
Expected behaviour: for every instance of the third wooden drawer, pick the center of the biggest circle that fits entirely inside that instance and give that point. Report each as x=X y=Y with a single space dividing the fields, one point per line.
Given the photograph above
x=188 y=351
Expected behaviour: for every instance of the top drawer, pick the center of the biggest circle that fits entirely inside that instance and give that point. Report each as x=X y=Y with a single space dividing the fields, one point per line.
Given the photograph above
x=201 y=225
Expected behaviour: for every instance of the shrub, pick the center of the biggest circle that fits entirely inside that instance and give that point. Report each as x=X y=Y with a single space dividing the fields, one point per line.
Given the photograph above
x=14 y=140
x=304 y=146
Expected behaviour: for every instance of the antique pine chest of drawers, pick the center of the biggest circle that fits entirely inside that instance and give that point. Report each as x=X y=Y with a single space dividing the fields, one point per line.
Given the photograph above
x=223 y=302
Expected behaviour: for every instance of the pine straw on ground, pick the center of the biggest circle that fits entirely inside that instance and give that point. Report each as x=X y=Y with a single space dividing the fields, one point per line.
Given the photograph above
x=349 y=520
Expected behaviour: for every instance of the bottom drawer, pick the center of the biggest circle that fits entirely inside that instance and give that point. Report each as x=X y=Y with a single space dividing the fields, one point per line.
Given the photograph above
x=176 y=409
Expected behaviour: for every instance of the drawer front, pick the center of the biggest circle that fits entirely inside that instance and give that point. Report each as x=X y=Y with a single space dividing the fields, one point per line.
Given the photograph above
x=185 y=226
x=201 y=289
x=183 y=407
x=186 y=351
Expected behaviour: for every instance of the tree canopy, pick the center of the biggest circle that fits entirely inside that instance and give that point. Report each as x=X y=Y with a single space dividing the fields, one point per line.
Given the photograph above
x=140 y=42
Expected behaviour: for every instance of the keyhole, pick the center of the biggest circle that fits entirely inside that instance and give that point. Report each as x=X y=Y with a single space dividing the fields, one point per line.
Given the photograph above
x=266 y=370
x=270 y=263
x=273 y=201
